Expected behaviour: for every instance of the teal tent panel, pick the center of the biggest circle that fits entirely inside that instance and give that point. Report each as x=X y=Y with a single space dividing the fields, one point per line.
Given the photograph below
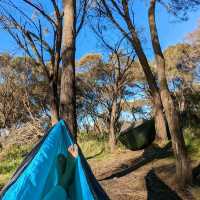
x=39 y=174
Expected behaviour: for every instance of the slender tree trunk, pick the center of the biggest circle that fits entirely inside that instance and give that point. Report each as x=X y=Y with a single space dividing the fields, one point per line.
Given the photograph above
x=183 y=170
x=112 y=136
x=161 y=129
x=54 y=105
x=55 y=61
x=68 y=93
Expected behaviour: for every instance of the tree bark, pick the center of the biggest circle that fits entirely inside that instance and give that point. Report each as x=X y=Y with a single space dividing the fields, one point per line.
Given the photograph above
x=54 y=104
x=160 y=122
x=68 y=91
x=112 y=136
x=183 y=170
x=161 y=128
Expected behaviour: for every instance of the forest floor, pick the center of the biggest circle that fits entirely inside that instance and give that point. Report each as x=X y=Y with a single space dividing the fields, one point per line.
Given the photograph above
x=140 y=175
x=125 y=175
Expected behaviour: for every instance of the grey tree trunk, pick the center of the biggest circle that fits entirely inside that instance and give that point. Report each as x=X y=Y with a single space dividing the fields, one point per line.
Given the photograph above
x=68 y=91
x=183 y=169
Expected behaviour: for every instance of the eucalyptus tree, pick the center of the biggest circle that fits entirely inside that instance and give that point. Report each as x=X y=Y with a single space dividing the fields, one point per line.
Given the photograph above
x=74 y=16
x=105 y=84
x=180 y=9
x=40 y=36
x=181 y=67
x=183 y=170
x=23 y=91
x=105 y=88
x=48 y=36
x=121 y=15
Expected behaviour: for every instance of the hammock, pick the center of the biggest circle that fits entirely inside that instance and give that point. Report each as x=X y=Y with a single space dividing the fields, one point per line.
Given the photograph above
x=139 y=137
x=38 y=176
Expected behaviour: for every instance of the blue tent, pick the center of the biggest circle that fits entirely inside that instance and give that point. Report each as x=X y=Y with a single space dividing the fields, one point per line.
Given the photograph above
x=38 y=174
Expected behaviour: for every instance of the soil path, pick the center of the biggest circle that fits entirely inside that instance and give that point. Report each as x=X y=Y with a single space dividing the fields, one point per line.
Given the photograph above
x=139 y=175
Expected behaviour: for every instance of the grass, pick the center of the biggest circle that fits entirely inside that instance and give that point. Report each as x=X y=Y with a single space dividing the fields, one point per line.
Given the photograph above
x=10 y=160
x=93 y=146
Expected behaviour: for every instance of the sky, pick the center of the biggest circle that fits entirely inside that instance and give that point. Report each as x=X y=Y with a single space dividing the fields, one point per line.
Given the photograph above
x=170 y=32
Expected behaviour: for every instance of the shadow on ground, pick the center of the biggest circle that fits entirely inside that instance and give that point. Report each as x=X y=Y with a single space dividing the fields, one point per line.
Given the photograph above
x=196 y=175
x=157 y=189
x=149 y=155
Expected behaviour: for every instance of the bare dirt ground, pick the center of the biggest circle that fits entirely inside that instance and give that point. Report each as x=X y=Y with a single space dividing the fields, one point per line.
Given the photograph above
x=140 y=175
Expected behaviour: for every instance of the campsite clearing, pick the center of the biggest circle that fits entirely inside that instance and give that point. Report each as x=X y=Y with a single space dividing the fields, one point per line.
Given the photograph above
x=132 y=177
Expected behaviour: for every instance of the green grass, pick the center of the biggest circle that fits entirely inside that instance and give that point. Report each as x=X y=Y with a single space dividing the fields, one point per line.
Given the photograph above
x=93 y=146
x=10 y=160
x=96 y=146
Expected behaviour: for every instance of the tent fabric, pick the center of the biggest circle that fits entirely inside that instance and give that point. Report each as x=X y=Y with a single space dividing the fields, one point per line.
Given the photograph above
x=139 y=137
x=38 y=175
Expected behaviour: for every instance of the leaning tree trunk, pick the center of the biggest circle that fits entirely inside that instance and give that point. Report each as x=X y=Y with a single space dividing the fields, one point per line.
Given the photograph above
x=183 y=170
x=160 y=124
x=68 y=93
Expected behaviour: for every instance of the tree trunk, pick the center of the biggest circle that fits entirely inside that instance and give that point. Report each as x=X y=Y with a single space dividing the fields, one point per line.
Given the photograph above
x=68 y=91
x=54 y=105
x=54 y=114
x=112 y=136
x=161 y=129
x=160 y=123
x=183 y=170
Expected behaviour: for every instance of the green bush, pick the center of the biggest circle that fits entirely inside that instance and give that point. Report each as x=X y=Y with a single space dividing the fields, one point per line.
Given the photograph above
x=192 y=140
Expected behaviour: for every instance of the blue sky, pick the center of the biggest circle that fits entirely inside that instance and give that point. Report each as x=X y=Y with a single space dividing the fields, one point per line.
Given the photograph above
x=170 y=32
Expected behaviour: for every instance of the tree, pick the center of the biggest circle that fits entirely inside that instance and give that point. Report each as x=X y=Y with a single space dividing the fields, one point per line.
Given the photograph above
x=180 y=75
x=183 y=169
x=120 y=14
x=74 y=16
x=31 y=35
x=23 y=91
x=68 y=92
x=193 y=40
x=106 y=89
x=180 y=8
